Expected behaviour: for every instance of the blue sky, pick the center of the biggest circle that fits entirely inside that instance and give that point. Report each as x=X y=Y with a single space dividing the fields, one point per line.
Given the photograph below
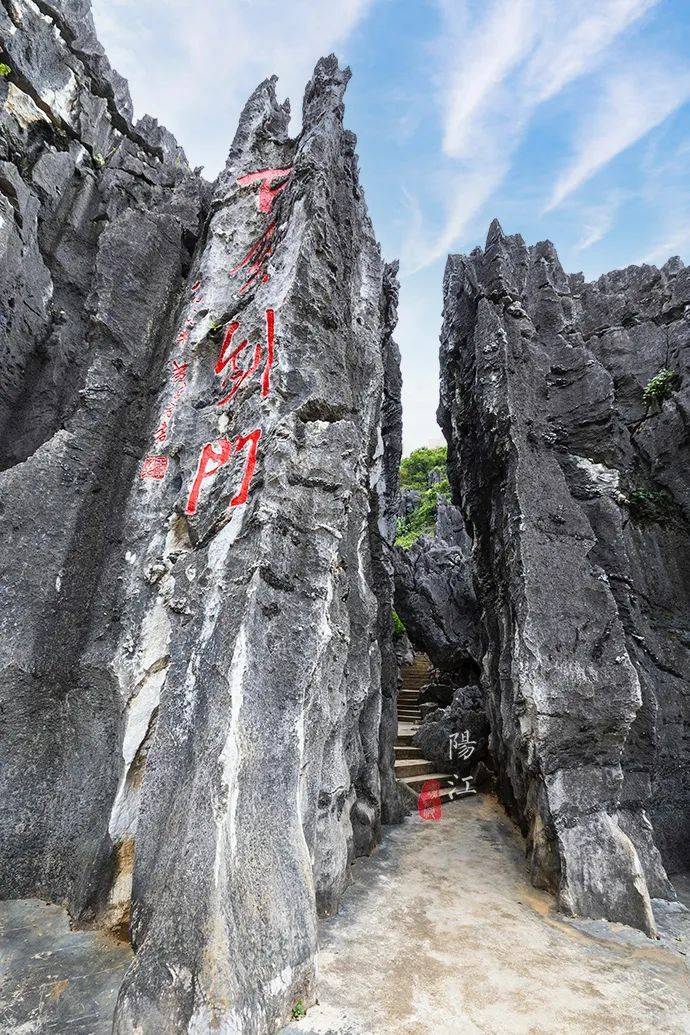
x=567 y=119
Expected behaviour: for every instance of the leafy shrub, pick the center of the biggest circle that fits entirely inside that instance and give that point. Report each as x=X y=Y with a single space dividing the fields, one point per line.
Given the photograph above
x=661 y=387
x=650 y=505
x=420 y=464
x=5 y=70
x=398 y=627
x=298 y=1011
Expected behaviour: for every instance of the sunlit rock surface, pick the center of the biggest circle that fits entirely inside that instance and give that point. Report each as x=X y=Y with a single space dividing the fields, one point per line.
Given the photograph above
x=200 y=445
x=576 y=492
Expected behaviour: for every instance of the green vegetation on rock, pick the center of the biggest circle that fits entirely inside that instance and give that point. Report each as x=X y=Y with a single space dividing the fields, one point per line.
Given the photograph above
x=650 y=505
x=298 y=1011
x=5 y=70
x=398 y=626
x=661 y=387
x=423 y=471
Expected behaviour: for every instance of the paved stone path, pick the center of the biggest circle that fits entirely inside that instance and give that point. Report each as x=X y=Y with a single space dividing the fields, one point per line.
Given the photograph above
x=440 y=933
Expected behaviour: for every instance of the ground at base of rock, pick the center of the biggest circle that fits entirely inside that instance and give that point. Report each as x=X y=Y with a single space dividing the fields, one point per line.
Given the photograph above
x=441 y=932
x=54 y=980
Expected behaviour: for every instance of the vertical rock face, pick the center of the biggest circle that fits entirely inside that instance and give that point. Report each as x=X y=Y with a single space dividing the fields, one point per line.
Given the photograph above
x=200 y=453
x=434 y=594
x=97 y=223
x=576 y=490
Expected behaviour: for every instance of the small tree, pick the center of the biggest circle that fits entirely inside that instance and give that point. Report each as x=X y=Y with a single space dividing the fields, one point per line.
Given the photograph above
x=423 y=471
x=416 y=468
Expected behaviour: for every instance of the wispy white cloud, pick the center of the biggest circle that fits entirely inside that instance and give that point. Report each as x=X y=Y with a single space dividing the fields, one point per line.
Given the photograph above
x=195 y=71
x=633 y=101
x=597 y=220
x=676 y=244
x=501 y=62
x=666 y=193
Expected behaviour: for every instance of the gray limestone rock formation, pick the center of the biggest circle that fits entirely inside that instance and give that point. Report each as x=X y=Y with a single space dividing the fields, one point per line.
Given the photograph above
x=574 y=484
x=456 y=737
x=434 y=594
x=200 y=444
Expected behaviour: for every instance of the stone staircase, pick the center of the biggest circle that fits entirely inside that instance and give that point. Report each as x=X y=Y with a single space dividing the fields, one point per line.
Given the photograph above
x=411 y=768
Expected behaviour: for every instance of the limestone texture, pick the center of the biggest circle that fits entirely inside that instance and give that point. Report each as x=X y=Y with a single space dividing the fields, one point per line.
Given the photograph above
x=574 y=485
x=455 y=737
x=200 y=441
x=434 y=592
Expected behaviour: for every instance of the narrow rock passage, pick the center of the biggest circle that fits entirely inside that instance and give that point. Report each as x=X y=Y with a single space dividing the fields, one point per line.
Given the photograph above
x=441 y=932
x=411 y=768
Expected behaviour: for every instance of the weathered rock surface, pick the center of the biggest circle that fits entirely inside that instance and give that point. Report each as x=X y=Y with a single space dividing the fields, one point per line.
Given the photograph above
x=200 y=445
x=456 y=737
x=434 y=594
x=576 y=493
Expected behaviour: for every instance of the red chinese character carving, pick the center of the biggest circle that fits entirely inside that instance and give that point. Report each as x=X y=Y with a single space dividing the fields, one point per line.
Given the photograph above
x=252 y=439
x=256 y=258
x=161 y=432
x=429 y=802
x=215 y=455
x=154 y=467
x=179 y=371
x=267 y=194
x=183 y=337
x=196 y=286
x=238 y=375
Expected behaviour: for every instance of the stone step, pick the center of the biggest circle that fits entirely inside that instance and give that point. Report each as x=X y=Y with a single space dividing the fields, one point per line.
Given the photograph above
x=405 y=736
x=417 y=782
x=407 y=751
x=412 y=767
x=413 y=683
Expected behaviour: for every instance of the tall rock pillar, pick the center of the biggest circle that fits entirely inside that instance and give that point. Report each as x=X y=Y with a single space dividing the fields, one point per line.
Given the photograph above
x=200 y=442
x=550 y=446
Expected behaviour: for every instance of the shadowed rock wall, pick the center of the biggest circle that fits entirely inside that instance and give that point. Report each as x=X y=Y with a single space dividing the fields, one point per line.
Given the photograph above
x=577 y=496
x=434 y=594
x=201 y=438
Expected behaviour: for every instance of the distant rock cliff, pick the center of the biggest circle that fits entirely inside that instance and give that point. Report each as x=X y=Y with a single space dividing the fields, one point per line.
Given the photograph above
x=200 y=443
x=574 y=482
